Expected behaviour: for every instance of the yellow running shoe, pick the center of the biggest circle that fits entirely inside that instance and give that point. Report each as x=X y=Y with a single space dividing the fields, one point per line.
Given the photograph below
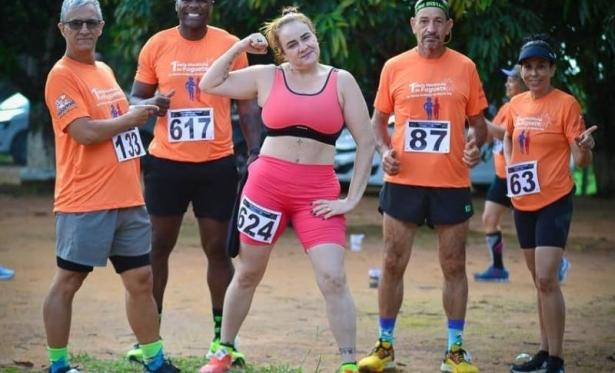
x=380 y=359
x=458 y=360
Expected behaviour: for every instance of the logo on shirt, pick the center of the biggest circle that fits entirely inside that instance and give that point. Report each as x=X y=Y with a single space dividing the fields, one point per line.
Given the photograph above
x=115 y=110
x=64 y=104
x=194 y=93
x=432 y=108
x=444 y=88
x=524 y=141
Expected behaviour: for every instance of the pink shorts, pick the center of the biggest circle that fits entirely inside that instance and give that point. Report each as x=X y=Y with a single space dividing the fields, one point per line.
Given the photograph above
x=278 y=191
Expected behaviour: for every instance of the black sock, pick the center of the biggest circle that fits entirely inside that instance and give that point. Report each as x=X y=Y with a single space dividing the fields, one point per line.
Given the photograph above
x=496 y=246
x=217 y=313
x=542 y=355
x=556 y=360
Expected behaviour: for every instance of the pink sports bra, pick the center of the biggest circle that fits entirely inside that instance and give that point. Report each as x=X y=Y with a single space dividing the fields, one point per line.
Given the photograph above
x=317 y=116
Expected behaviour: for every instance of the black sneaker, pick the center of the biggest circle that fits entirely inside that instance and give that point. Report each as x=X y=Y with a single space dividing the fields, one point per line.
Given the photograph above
x=167 y=367
x=538 y=364
x=555 y=365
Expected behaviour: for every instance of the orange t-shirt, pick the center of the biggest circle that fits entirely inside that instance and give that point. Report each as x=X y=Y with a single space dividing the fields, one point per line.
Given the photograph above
x=542 y=131
x=431 y=99
x=187 y=133
x=89 y=177
x=499 y=161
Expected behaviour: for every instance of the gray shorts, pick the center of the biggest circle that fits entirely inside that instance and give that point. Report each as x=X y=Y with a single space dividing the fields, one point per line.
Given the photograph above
x=90 y=238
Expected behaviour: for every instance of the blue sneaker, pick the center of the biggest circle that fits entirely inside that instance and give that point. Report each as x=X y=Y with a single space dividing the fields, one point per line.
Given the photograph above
x=6 y=274
x=492 y=274
x=564 y=267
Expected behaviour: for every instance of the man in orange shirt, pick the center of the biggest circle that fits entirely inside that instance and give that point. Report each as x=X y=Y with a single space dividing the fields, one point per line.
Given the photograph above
x=541 y=187
x=191 y=157
x=427 y=163
x=99 y=207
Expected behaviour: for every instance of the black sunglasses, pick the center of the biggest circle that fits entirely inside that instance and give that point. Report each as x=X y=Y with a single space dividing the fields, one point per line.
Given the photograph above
x=77 y=24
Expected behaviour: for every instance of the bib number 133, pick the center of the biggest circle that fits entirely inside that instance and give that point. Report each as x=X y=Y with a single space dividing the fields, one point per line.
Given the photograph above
x=128 y=145
x=257 y=222
x=522 y=179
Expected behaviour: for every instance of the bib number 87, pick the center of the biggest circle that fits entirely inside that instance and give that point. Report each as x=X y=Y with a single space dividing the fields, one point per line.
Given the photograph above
x=419 y=139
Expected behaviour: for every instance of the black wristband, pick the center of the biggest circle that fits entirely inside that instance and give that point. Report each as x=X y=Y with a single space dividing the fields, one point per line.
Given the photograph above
x=255 y=151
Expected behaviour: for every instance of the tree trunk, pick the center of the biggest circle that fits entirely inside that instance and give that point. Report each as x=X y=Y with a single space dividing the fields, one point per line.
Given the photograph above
x=604 y=169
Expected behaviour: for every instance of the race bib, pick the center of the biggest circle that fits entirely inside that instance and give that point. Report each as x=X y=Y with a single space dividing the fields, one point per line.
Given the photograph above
x=428 y=136
x=128 y=145
x=257 y=222
x=194 y=124
x=522 y=179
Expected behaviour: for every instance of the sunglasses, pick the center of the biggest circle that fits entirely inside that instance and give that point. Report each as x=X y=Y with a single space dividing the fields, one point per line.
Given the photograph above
x=77 y=24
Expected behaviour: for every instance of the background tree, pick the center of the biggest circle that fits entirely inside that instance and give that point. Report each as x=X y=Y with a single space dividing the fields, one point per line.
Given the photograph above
x=357 y=35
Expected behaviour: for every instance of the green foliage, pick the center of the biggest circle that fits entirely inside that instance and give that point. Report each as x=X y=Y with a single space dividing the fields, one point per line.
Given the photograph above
x=356 y=35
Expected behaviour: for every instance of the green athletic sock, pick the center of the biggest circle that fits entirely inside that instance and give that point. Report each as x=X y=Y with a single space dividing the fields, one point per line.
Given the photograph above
x=217 y=313
x=153 y=355
x=58 y=358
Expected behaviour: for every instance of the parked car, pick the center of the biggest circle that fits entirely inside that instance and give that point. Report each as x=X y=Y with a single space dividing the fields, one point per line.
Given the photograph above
x=14 y=123
x=481 y=176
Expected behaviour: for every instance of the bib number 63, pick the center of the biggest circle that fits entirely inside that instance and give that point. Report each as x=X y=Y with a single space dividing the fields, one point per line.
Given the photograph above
x=522 y=179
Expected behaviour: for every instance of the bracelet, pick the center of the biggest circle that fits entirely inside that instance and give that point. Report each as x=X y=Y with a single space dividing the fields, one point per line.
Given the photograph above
x=255 y=151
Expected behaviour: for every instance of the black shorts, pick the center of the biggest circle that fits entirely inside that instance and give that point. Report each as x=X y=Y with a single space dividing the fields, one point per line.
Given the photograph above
x=548 y=226
x=170 y=186
x=426 y=205
x=498 y=192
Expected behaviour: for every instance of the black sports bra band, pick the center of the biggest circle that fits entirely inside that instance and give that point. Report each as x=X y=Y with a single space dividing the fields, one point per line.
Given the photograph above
x=300 y=130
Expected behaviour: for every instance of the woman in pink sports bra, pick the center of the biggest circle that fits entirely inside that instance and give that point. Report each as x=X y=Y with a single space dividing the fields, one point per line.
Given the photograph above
x=305 y=105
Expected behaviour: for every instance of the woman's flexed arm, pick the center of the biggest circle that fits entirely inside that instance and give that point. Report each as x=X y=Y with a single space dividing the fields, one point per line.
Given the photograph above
x=238 y=84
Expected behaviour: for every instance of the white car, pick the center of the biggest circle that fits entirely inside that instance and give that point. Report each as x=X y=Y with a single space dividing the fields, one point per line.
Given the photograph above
x=14 y=124
x=481 y=176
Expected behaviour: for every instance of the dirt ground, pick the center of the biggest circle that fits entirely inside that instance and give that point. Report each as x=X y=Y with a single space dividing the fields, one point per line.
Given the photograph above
x=287 y=323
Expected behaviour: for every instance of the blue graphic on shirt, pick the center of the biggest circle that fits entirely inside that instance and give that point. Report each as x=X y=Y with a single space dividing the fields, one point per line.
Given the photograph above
x=428 y=106
x=524 y=142
x=116 y=111
x=192 y=88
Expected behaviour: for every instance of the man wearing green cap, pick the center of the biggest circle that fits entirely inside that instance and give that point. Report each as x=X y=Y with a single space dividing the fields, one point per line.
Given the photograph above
x=432 y=90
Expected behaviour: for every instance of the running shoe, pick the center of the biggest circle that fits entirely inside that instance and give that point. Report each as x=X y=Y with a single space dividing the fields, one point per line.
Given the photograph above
x=66 y=369
x=564 y=267
x=380 y=359
x=6 y=273
x=166 y=367
x=239 y=360
x=458 y=360
x=220 y=362
x=538 y=364
x=492 y=274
